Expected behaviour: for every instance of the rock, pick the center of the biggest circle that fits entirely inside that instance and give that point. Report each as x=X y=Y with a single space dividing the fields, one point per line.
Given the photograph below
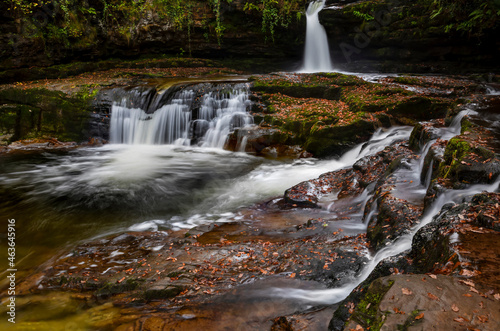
x=438 y=246
x=464 y=161
x=423 y=302
x=394 y=218
x=432 y=160
x=423 y=132
x=348 y=182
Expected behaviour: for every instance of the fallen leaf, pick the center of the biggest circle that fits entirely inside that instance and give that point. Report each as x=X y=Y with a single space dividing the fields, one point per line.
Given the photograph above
x=433 y=276
x=472 y=289
x=482 y=318
x=419 y=316
x=406 y=291
x=467 y=295
x=466 y=273
x=397 y=311
x=467 y=282
x=350 y=305
x=496 y=296
x=459 y=319
x=432 y=296
x=454 y=308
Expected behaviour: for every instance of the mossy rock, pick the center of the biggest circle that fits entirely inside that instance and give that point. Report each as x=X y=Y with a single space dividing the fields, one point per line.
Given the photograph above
x=163 y=293
x=40 y=112
x=421 y=108
x=334 y=140
x=367 y=312
x=466 y=162
x=110 y=289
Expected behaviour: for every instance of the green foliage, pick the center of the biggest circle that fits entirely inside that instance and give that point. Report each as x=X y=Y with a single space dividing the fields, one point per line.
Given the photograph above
x=364 y=16
x=469 y=16
x=276 y=13
x=72 y=23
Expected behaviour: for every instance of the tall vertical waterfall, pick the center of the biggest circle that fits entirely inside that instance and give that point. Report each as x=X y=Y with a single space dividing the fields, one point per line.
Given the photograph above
x=187 y=118
x=317 y=53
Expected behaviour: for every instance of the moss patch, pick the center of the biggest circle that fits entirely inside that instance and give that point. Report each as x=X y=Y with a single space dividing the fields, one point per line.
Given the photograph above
x=367 y=312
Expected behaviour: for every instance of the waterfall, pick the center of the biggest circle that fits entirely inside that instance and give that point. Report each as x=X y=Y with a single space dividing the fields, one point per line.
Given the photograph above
x=188 y=118
x=317 y=53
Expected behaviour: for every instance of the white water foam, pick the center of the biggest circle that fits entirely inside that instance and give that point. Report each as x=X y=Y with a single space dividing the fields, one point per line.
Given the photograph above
x=316 y=53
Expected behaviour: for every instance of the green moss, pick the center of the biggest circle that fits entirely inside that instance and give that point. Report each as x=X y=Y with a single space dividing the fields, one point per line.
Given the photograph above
x=367 y=311
x=175 y=274
x=165 y=293
x=466 y=125
x=410 y=321
x=113 y=288
x=453 y=154
x=407 y=80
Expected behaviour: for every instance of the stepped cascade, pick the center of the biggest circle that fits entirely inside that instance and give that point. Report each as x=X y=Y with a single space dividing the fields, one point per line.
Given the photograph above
x=185 y=117
x=316 y=53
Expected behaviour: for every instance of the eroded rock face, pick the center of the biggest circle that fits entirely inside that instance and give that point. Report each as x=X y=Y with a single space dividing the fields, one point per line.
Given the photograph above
x=91 y=33
x=395 y=36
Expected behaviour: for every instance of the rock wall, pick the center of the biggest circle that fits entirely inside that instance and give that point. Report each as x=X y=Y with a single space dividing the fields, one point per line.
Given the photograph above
x=406 y=36
x=52 y=34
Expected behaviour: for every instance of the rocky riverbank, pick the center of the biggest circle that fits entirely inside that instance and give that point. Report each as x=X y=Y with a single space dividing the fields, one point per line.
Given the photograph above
x=205 y=277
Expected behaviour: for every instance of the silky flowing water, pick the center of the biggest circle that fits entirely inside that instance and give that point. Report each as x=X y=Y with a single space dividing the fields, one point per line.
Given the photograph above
x=316 y=52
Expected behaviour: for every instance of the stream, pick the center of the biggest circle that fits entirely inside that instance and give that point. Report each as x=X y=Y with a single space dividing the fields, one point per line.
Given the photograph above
x=153 y=178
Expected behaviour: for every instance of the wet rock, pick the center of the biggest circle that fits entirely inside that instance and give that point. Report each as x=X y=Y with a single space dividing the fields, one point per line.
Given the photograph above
x=439 y=246
x=469 y=158
x=160 y=292
x=39 y=146
x=395 y=216
x=432 y=160
x=281 y=324
x=423 y=302
x=423 y=132
x=314 y=319
x=348 y=182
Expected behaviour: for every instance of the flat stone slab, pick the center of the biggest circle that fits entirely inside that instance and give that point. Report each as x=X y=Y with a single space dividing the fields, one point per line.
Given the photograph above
x=434 y=302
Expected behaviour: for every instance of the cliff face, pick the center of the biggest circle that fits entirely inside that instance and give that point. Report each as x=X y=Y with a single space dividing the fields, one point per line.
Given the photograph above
x=402 y=35
x=377 y=35
x=53 y=32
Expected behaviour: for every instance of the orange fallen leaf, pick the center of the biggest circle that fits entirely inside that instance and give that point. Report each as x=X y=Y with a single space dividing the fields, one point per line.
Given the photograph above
x=419 y=316
x=454 y=307
x=432 y=296
x=397 y=311
x=459 y=319
x=406 y=291
x=467 y=282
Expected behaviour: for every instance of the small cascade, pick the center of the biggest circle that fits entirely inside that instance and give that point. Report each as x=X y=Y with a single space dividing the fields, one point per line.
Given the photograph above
x=317 y=53
x=404 y=242
x=187 y=117
x=221 y=115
